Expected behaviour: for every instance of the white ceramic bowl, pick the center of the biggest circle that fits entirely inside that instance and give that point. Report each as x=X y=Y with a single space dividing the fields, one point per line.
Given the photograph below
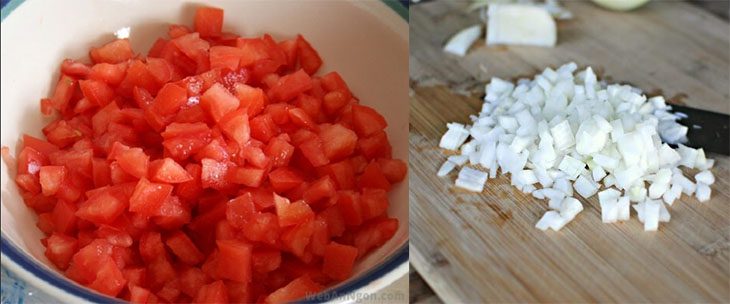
x=366 y=41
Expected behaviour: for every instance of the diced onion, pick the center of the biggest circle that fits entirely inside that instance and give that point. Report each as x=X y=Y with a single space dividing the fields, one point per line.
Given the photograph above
x=565 y=131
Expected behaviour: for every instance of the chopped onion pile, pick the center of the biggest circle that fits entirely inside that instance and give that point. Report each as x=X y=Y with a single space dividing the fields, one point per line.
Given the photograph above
x=565 y=133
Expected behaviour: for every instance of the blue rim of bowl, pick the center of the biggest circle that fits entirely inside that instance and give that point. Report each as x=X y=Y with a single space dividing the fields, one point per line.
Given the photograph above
x=53 y=278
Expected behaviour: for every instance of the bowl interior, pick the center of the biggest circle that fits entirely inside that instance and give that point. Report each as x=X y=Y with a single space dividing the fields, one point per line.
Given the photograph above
x=366 y=42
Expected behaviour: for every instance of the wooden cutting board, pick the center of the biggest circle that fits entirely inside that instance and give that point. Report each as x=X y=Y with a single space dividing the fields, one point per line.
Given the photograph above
x=484 y=247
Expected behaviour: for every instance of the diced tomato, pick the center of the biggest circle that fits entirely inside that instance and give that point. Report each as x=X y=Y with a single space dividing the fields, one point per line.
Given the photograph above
x=339 y=260
x=113 y=52
x=111 y=74
x=296 y=289
x=338 y=141
x=394 y=169
x=250 y=177
x=251 y=98
x=134 y=161
x=322 y=188
x=63 y=92
x=139 y=295
x=63 y=216
x=169 y=99
x=308 y=57
x=162 y=70
x=279 y=151
x=172 y=214
x=192 y=279
x=85 y=263
x=279 y=112
x=373 y=177
x=373 y=203
x=296 y=238
x=375 y=234
x=292 y=213
x=97 y=92
x=45 y=223
x=266 y=260
x=212 y=293
x=333 y=82
x=192 y=45
x=182 y=247
x=148 y=197
x=218 y=102
x=264 y=228
x=236 y=126
x=367 y=121
x=213 y=174
x=283 y=179
x=375 y=146
x=349 y=203
x=234 y=260
x=291 y=85
x=263 y=127
x=225 y=57
x=109 y=279
x=218 y=168
x=103 y=207
x=300 y=118
x=51 y=178
x=60 y=249
x=313 y=150
x=209 y=21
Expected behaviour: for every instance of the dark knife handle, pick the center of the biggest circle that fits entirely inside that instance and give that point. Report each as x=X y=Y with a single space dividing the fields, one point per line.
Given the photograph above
x=713 y=134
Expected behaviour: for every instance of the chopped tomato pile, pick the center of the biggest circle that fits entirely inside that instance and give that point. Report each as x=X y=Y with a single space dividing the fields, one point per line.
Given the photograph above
x=215 y=169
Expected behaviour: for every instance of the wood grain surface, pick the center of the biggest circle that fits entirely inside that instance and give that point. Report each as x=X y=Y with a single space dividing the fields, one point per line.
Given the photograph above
x=484 y=247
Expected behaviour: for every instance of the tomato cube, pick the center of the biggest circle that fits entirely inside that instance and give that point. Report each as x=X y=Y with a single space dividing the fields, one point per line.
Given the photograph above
x=182 y=247
x=218 y=102
x=283 y=179
x=51 y=178
x=60 y=249
x=338 y=141
x=296 y=289
x=339 y=260
x=169 y=171
x=103 y=207
x=366 y=120
x=113 y=52
x=291 y=85
x=236 y=126
x=234 y=260
x=212 y=293
x=292 y=213
x=209 y=21
x=308 y=57
x=373 y=177
x=148 y=196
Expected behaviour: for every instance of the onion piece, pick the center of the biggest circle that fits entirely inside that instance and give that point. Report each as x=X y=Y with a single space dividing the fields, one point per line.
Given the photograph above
x=461 y=41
